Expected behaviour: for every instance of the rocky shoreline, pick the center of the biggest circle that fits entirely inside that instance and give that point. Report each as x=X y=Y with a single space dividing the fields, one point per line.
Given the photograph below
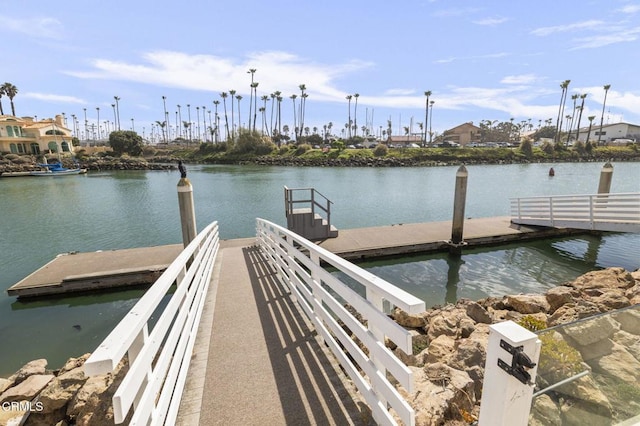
x=448 y=360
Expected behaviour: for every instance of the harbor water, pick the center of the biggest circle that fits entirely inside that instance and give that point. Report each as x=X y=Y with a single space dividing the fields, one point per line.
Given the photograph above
x=43 y=217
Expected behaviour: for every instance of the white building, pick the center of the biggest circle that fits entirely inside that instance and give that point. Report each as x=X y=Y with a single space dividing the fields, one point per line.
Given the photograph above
x=610 y=133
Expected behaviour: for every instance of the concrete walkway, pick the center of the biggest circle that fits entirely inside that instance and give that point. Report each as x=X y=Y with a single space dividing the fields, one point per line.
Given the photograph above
x=257 y=360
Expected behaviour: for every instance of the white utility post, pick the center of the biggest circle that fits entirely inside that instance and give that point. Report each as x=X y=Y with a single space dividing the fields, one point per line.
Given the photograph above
x=507 y=390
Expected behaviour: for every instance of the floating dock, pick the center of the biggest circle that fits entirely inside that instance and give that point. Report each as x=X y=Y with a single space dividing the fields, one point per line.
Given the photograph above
x=76 y=272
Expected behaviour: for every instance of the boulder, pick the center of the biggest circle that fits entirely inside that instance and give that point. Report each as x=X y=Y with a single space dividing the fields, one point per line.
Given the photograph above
x=559 y=296
x=37 y=366
x=544 y=412
x=5 y=384
x=62 y=389
x=629 y=320
x=612 y=299
x=477 y=313
x=588 y=332
x=442 y=394
x=606 y=278
x=409 y=320
x=440 y=349
x=528 y=303
x=619 y=364
x=27 y=389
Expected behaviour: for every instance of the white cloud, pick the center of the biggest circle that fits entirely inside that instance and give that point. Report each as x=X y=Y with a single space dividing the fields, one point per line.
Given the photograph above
x=275 y=70
x=49 y=97
x=395 y=92
x=577 y=26
x=519 y=79
x=600 y=40
x=630 y=9
x=490 y=21
x=41 y=27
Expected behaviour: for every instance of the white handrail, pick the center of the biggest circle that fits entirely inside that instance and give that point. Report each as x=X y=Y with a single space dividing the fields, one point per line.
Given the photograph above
x=323 y=297
x=603 y=212
x=159 y=353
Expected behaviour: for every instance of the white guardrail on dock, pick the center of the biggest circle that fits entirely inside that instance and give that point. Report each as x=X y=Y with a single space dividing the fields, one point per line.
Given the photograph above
x=599 y=212
x=159 y=353
x=323 y=296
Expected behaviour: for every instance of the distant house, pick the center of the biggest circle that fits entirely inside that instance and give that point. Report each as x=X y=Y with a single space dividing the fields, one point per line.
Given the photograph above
x=26 y=136
x=463 y=134
x=404 y=141
x=610 y=133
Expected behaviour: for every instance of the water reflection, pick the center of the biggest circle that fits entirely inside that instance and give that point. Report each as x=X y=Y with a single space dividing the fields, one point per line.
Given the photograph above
x=530 y=267
x=454 y=262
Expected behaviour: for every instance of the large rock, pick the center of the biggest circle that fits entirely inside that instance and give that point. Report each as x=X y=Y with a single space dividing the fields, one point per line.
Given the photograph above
x=629 y=320
x=409 y=320
x=442 y=394
x=440 y=349
x=559 y=296
x=27 y=389
x=477 y=313
x=606 y=278
x=37 y=366
x=588 y=332
x=91 y=405
x=528 y=303
x=544 y=412
x=619 y=364
x=62 y=389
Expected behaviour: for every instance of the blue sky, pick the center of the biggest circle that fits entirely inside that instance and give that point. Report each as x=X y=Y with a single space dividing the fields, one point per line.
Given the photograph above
x=482 y=60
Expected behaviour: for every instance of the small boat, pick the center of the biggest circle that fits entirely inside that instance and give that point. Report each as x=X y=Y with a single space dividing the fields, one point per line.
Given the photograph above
x=56 y=169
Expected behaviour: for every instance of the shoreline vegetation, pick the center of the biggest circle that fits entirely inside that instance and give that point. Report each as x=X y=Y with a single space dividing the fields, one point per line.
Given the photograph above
x=165 y=157
x=593 y=324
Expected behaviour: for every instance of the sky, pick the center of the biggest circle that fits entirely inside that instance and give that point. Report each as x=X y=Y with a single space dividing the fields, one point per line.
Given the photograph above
x=481 y=60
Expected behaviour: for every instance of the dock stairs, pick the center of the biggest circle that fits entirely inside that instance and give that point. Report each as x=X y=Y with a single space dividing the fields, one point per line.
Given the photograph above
x=308 y=213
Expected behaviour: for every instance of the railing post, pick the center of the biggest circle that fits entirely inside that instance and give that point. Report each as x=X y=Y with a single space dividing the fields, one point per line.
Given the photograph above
x=507 y=395
x=606 y=175
x=458 y=209
x=187 y=209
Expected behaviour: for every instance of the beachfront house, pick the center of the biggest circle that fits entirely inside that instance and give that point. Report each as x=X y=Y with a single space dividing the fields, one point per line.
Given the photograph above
x=24 y=135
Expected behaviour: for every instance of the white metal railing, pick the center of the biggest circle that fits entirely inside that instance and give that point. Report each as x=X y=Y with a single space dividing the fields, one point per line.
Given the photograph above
x=601 y=212
x=323 y=296
x=315 y=201
x=159 y=354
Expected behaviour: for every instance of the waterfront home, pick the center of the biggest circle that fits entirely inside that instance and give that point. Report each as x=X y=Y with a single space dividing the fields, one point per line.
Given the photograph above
x=24 y=135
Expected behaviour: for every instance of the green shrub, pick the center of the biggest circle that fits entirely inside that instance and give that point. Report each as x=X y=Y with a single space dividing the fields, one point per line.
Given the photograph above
x=532 y=323
x=381 y=150
x=302 y=148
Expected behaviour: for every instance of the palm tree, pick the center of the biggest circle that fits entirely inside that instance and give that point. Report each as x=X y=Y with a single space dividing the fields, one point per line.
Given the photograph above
x=606 y=90
x=217 y=133
x=233 y=124
x=303 y=102
x=224 y=95
x=579 y=117
x=591 y=117
x=355 y=113
x=273 y=99
x=426 y=116
x=117 y=111
x=293 y=98
x=162 y=125
x=564 y=85
x=11 y=91
x=348 y=97
x=251 y=71
x=254 y=86
x=239 y=98
x=1 y=93
x=264 y=99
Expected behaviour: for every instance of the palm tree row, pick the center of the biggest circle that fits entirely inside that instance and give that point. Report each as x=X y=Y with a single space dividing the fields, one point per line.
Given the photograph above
x=577 y=109
x=10 y=91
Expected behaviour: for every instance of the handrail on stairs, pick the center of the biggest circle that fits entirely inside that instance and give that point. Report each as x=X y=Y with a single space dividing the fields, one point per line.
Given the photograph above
x=313 y=199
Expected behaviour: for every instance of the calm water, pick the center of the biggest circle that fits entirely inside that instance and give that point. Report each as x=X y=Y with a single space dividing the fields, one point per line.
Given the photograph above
x=40 y=218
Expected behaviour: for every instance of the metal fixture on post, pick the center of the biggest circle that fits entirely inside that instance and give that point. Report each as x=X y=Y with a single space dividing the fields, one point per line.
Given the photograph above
x=187 y=210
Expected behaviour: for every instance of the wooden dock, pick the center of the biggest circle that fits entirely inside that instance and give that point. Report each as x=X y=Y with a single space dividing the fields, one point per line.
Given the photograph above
x=70 y=273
